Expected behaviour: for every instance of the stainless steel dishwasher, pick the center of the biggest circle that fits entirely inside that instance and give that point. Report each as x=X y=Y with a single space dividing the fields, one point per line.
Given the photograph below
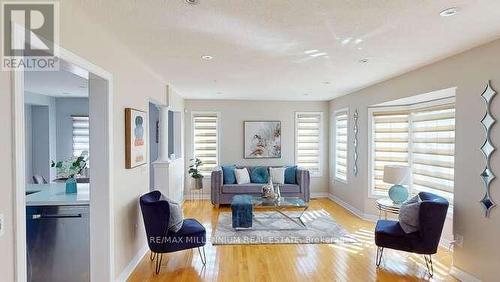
x=58 y=243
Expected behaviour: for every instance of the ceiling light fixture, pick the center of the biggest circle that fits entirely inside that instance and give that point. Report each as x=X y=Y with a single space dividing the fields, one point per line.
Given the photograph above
x=310 y=51
x=207 y=57
x=449 y=12
x=363 y=61
x=192 y=2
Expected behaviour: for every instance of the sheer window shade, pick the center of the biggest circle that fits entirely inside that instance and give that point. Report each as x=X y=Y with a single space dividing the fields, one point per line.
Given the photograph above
x=424 y=139
x=341 y=145
x=205 y=140
x=308 y=141
x=80 y=134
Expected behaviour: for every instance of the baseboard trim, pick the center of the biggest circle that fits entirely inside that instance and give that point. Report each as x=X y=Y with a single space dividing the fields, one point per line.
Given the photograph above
x=134 y=262
x=316 y=195
x=352 y=209
x=462 y=275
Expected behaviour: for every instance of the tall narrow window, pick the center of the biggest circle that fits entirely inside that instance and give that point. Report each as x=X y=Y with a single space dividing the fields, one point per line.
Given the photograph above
x=80 y=134
x=205 y=140
x=422 y=138
x=341 y=145
x=308 y=141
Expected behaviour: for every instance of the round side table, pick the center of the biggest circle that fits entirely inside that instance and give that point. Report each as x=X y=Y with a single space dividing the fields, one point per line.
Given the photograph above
x=386 y=205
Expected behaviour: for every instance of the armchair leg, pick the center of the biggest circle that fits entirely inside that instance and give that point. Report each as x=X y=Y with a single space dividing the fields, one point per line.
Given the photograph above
x=152 y=256
x=428 y=264
x=159 y=258
x=380 y=252
x=202 y=257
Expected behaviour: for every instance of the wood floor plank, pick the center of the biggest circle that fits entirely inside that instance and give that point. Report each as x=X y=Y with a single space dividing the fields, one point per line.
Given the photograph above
x=297 y=262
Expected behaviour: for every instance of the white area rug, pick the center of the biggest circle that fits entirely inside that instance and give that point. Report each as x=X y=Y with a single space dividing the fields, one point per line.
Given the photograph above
x=321 y=229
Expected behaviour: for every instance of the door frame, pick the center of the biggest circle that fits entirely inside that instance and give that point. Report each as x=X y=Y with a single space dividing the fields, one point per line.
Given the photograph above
x=101 y=207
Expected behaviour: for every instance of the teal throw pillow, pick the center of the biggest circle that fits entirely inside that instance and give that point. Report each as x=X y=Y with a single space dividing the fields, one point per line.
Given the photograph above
x=290 y=173
x=259 y=175
x=228 y=172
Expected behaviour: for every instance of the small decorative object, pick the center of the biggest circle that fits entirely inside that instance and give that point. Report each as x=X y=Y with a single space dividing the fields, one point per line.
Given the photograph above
x=487 y=148
x=262 y=139
x=195 y=173
x=355 y=143
x=69 y=169
x=399 y=176
x=268 y=190
x=135 y=138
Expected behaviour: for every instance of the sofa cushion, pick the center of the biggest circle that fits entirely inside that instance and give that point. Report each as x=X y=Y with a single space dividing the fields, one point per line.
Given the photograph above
x=389 y=234
x=254 y=188
x=242 y=176
x=291 y=175
x=259 y=174
x=277 y=174
x=409 y=215
x=228 y=172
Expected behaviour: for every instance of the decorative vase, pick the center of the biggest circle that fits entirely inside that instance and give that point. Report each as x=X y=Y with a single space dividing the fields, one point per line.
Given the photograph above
x=398 y=194
x=71 y=185
x=198 y=183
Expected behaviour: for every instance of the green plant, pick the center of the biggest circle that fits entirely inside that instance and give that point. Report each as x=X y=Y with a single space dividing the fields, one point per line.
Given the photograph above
x=71 y=167
x=193 y=168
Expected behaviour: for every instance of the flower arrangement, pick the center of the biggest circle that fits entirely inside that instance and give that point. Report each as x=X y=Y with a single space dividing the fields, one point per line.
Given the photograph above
x=71 y=167
x=194 y=168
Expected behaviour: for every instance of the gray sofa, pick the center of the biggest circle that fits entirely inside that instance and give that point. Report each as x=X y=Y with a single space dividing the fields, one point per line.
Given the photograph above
x=223 y=193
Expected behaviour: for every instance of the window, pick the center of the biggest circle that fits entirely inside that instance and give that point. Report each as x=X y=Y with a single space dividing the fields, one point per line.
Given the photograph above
x=308 y=141
x=80 y=134
x=341 y=145
x=422 y=138
x=205 y=140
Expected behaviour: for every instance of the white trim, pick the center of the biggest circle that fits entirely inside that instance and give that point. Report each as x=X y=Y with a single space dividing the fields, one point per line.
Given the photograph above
x=352 y=209
x=124 y=275
x=219 y=131
x=462 y=275
x=334 y=151
x=101 y=212
x=321 y=142
x=317 y=195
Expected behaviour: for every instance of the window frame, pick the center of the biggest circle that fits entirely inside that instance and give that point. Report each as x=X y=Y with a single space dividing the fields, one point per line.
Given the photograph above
x=73 y=117
x=321 y=141
x=334 y=151
x=372 y=194
x=218 y=114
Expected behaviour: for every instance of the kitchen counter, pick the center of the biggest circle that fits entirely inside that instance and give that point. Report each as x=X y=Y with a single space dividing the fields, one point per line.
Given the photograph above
x=54 y=194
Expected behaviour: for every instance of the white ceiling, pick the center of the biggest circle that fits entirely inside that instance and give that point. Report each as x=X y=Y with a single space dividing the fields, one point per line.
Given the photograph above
x=258 y=46
x=56 y=84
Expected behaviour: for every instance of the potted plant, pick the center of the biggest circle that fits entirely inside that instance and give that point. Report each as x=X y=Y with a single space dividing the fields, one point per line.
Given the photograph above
x=195 y=173
x=69 y=168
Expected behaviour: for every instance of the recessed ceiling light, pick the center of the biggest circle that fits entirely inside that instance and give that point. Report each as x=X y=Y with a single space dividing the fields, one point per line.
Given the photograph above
x=192 y=2
x=363 y=61
x=326 y=82
x=207 y=57
x=310 y=51
x=449 y=12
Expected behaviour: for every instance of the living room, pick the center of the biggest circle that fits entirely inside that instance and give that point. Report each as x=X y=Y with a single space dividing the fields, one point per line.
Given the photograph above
x=267 y=141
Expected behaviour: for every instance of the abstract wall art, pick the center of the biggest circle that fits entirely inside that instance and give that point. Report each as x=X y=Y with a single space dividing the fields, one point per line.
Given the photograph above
x=135 y=138
x=262 y=139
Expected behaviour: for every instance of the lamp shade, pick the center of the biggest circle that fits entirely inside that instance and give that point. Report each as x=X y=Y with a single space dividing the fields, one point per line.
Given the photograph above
x=396 y=174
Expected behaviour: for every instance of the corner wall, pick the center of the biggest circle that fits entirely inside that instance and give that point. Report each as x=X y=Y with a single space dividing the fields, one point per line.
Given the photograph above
x=232 y=115
x=469 y=72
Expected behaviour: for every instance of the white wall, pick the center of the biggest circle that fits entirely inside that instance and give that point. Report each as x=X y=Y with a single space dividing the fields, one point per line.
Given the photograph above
x=469 y=72
x=232 y=115
x=65 y=108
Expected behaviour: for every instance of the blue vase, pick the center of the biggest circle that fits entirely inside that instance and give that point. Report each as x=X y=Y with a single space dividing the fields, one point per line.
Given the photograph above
x=398 y=194
x=71 y=186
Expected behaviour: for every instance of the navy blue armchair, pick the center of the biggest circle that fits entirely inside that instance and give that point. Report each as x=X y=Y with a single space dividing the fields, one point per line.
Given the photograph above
x=425 y=241
x=156 y=213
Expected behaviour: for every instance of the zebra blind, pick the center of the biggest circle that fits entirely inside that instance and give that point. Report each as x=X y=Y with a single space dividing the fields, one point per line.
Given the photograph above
x=308 y=141
x=205 y=140
x=423 y=139
x=341 y=145
x=80 y=134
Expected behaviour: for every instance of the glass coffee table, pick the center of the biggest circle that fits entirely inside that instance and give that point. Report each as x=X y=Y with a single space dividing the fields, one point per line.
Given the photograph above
x=280 y=206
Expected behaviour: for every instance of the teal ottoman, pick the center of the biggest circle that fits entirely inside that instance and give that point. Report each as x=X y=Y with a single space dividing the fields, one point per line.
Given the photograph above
x=242 y=211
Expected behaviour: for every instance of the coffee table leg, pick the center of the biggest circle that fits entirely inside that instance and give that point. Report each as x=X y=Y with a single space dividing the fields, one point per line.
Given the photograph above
x=299 y=222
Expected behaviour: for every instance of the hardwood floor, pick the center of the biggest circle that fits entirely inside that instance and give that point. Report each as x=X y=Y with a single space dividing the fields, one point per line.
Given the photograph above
x=318 y=262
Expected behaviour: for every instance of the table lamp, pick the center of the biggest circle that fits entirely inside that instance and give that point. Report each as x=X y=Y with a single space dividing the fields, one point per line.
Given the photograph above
x=399 y=176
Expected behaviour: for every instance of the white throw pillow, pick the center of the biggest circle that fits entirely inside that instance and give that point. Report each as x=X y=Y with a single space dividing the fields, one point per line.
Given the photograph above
x=242 y=176
x=409 y=215
x=277 y=174
x=176 y=218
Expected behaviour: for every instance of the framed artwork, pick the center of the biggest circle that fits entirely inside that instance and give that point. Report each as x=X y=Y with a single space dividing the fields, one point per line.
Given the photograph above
x=135 y=138
x=262 y=139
